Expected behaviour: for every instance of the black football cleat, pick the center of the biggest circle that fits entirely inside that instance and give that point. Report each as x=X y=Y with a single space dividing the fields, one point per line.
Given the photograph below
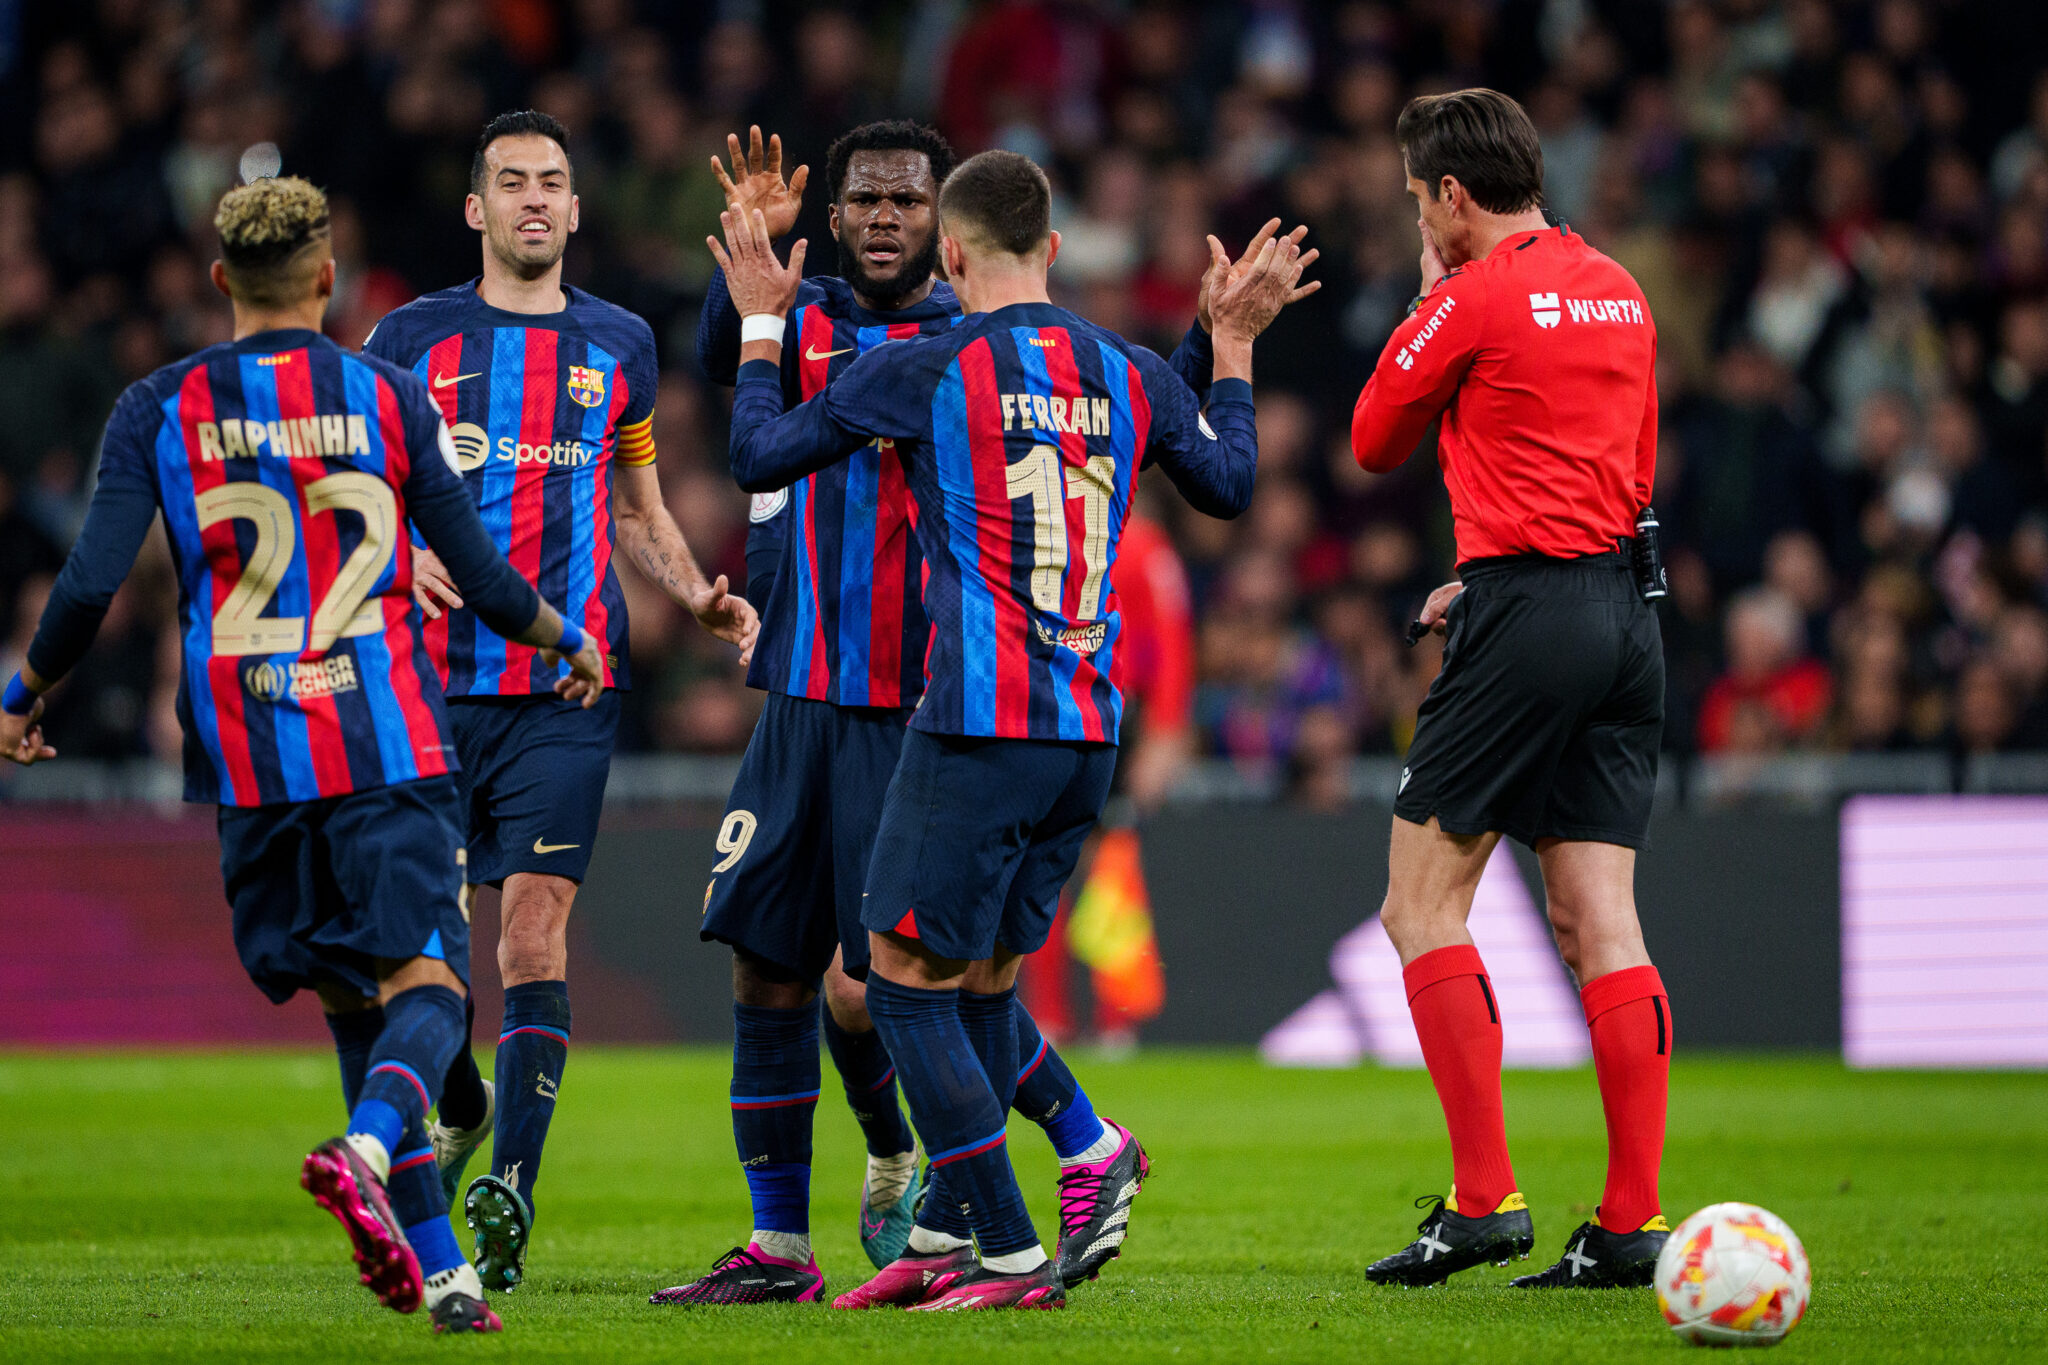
x=459 y=1312
x=1450 y=1242
x=748 y=1276
x=1095 y=1207
x=1595 y=1258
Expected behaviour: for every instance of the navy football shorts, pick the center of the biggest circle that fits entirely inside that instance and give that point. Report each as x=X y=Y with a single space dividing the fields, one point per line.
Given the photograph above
x=798 y=831
x=322 y=889
x=979 y=837
x=532 y=781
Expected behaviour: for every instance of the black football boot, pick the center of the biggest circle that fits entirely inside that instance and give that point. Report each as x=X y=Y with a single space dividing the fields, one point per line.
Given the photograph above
x=1595 y=1258
x=1450 y=1242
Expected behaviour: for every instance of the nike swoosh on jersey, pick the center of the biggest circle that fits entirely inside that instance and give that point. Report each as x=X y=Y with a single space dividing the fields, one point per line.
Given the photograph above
x=811 y=352
x=539 y=847
x=442 y=381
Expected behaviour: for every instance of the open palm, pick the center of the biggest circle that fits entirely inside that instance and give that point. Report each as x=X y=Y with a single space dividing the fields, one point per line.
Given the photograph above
x=759 y=184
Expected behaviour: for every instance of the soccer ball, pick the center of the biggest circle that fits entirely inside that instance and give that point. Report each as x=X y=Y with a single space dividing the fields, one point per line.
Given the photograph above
x=1733 y=1275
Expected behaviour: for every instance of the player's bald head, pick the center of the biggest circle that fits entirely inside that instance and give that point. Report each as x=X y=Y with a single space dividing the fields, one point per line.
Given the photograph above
x=998 y=202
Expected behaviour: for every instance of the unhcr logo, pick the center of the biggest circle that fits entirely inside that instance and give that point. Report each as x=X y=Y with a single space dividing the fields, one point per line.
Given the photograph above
x=301 y=681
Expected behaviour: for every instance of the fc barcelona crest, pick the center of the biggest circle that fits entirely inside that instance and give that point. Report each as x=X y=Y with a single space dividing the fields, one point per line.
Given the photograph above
x=586 y=386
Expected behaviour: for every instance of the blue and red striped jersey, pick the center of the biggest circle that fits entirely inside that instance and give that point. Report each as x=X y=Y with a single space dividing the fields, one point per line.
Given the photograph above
x=1021 y=433
x=286 y=470
x=541 y=405
x=832 y=561
x=842 y=620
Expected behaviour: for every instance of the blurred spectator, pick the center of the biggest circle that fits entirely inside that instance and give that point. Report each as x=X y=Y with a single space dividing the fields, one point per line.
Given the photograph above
x=1773 y=695
x=1839 y=213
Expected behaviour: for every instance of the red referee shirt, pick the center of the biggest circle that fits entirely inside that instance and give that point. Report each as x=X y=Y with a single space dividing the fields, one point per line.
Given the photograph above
x=1541 y=359
x=1155 y=654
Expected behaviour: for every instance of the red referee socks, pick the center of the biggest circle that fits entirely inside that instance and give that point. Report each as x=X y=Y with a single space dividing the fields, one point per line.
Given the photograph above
x=1630 y=1019
x=1459 y=1025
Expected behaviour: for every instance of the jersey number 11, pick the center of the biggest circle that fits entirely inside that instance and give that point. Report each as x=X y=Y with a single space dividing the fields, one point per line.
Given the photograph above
x=1041 y=477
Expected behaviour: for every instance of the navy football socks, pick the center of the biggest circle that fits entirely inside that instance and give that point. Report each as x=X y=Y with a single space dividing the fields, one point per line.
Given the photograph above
x=870 y=1080
x=355 y=1033
x=775 y=1084
x=991 y=1024
x=955 y=1106
x=463 y=1102
x=533 y=1047
x=1048 y=1094
x=422 y=1029
x=414 y=1188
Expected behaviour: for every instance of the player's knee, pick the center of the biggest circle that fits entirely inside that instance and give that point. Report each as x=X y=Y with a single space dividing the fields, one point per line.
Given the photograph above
x=994 y=976
x=848 y=1001
x=396 y=978
x=533 y=939
x=1402 y=918
x=531 y=957
x=1567 y=937
x=761 y=984
x=336 y=998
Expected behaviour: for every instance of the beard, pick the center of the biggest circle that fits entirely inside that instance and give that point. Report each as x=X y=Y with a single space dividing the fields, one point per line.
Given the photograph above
x=913 y=269
x=530 y=260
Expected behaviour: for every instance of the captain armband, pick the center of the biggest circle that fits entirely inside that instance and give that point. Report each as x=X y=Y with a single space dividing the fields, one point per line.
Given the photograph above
x=636 y=442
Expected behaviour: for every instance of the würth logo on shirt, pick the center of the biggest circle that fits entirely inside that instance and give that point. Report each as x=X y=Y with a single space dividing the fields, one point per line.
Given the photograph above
x=1604 y=310
x=1545 y=309
x=1406 y=360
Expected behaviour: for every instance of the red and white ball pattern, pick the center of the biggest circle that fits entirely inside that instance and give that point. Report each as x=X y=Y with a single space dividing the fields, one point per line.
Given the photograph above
x=1733 y=1275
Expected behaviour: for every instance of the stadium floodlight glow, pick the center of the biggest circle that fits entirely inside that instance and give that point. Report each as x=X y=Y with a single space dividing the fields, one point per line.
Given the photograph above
x=1945 y=931
x=261 y=161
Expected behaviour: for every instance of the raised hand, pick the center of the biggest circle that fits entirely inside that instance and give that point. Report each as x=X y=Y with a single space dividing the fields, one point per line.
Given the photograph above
x=729 y=617
x=1223 y=271
x=758 y=282
x=1433 y=268
x=1247 y=302
x=760 y=185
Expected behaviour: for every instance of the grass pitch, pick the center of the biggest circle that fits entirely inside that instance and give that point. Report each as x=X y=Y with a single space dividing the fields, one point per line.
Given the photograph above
x=149 y=1210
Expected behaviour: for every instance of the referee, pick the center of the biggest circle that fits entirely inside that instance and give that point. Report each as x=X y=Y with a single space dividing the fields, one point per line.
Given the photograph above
x=1538 y=354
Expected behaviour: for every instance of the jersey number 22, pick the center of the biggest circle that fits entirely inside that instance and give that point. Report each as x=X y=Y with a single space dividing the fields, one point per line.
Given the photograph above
x=239 y=627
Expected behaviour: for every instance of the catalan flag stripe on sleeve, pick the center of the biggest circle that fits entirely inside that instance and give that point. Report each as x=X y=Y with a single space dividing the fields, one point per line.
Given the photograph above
x=636 y=443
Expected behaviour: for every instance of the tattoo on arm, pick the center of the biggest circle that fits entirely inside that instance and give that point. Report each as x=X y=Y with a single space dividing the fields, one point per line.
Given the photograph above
x=660 y=551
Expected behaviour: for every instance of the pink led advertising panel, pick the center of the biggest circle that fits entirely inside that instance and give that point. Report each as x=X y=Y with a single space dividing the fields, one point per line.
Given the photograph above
x=1945 y=931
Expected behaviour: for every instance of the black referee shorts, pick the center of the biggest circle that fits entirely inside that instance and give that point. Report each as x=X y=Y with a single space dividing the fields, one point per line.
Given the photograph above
x=1546 y=718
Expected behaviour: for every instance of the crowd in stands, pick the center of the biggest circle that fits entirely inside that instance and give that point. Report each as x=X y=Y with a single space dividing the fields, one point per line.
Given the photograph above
x=1837 y=211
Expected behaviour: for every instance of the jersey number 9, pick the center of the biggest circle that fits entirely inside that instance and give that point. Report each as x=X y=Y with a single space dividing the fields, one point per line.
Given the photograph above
x=239 y=627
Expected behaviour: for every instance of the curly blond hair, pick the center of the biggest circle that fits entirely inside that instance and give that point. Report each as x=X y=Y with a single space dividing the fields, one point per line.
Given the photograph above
x=273 y=238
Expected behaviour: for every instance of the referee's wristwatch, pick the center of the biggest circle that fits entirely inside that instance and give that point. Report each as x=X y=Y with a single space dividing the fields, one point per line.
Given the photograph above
x=1414 y=304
